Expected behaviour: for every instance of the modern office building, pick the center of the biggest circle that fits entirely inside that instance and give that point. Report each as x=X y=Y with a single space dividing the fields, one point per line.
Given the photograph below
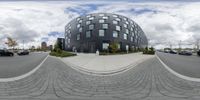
x=97 y=31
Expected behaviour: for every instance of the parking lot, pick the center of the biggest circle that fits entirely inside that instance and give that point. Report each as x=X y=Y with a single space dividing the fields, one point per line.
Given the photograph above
x=19 y=65
x=185 y=65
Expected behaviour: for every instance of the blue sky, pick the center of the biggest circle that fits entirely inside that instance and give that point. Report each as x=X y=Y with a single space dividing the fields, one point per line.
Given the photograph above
x=164 y=22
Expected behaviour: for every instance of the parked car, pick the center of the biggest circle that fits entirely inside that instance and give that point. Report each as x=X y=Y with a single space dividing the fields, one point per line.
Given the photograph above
x=188 y=53
x=6 y=53
x=166 y=51
x=23 y=52
x=198 y=53
x=173 y=52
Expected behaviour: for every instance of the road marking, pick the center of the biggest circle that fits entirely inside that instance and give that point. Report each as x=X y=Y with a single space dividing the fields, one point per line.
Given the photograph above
x=176 y=73
x=24 y=75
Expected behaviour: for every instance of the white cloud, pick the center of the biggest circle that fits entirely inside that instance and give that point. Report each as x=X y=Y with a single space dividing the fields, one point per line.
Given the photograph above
x=162 y=22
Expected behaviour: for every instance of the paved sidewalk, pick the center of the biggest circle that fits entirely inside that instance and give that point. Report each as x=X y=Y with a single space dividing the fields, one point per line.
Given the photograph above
x=110 y=63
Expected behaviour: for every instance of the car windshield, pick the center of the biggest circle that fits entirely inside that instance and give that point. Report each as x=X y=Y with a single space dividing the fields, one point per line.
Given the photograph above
x=99 y=49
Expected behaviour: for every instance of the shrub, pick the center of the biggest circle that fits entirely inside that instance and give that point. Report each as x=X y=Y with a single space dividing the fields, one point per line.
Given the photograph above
x=149 y=51
x=62 y=54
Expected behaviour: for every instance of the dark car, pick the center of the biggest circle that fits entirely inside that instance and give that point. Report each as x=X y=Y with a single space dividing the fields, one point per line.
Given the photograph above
x=172 y=52
x=198 y=53
x=6 y=53
x=188 y=53
x=23 y=52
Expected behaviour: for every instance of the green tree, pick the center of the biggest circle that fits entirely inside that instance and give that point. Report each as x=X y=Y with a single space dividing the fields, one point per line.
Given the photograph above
x=113 y=47
x=11 y=42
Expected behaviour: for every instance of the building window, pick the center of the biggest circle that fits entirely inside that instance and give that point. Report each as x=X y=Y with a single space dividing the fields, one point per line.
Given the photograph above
x=101 y=32
x=78 y=25
x=125 y=25
x=127 y=22
x=115 y=15
x=127 y=48
x=105 y=17
x=118 y=19
x=91 y=18
x=88 y=34
x=133 y=34
x=115 y=22
x=115 y=34
x=105 y=46
x=118 y=28
x=101 y=14
x=101 y=21
x=88 y=22
x=80 y=29
x=119 y=46
x=80 y=21
x=68 y=40
x=125 y=36
x=131 y=29
x=88 y=16
x=127 y=31
x=131 y=39
x=125 y=18
x=91 y=27
x=78 y=36
x=105 y=26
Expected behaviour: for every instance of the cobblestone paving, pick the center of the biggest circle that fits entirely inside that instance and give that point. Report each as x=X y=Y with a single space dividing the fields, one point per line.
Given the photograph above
x=56 y=81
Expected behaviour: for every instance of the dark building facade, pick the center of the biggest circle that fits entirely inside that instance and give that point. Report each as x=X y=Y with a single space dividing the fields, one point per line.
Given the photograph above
x=44 y=45
x=96 y=31
x=61 y=43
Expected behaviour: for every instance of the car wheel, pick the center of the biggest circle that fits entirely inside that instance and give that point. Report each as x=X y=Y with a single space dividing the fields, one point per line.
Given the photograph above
x=11 y=54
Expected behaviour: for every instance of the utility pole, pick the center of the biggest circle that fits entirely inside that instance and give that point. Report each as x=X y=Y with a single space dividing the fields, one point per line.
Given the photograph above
x=23 y=44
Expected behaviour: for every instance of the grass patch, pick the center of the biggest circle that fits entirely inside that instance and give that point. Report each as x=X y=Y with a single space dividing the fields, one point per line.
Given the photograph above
x=62 y=54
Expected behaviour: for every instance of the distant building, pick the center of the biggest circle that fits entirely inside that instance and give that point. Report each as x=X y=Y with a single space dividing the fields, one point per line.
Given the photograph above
x=43 y=45
x=61 y=43
x=50 y=47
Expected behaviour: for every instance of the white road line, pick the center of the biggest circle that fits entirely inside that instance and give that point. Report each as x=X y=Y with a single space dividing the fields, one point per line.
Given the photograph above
x=24 y=75
x=177 y=74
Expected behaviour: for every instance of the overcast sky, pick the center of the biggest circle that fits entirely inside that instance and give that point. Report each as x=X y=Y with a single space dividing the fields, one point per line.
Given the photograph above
x=163 y=22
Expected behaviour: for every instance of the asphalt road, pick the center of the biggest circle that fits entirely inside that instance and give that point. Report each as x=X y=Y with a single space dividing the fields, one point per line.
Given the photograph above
x=185 y=65
x=19 y=65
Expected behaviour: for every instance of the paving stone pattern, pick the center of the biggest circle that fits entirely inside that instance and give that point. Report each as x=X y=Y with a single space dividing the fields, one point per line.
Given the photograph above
x=57 y=81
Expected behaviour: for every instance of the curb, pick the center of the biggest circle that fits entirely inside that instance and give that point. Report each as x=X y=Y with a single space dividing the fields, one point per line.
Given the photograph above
x=24 y=75
x=101 y=73
x=176 y=73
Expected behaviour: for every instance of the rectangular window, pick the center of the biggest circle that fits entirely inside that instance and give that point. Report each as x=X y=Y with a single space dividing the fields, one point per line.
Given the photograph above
x=91 y=18
x=68 y=40
x=118 y=28
x=131 y=39
x=127 y=22
x=115 y=22
x=125 y=18
x=101 y=14
x=125 y=25
x=91 y=27
x=105 y=17
x=78 y=25
x=101 y=33
x=115 y=15
x=88 y=16
x=80 y=21
x=105 y=26
x=88 y=34
x=115 y=34
x=101 y=21
x=119 y=46
x=88 y=22
x=127 y=31
x=78 y=36
x=118 y=19
x=105 y=46
x=125 y=36
x=80 y=29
